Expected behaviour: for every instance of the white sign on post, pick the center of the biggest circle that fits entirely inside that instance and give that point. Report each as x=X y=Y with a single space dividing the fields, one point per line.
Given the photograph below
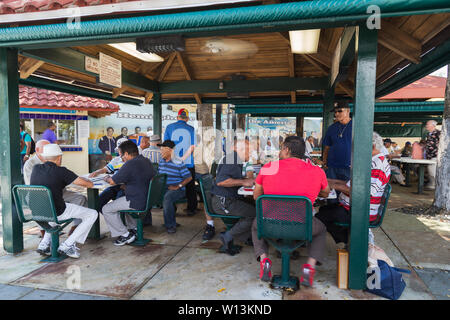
x=110 y=71
x=83 y=128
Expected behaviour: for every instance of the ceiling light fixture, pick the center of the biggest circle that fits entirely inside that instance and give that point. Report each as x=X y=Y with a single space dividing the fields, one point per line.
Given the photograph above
x=304 y=41
x=130 y=48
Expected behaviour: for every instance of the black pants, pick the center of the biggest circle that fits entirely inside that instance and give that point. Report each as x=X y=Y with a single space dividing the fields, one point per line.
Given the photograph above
x=191 y=193
x=335 y=213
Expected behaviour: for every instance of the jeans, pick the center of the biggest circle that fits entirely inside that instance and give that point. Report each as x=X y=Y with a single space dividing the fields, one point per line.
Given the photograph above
x=170 y=198
x=338 y=173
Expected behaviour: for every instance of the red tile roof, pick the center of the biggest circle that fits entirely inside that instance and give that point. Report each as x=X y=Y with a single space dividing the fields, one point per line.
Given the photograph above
x=425 y=88
x=34 y=97
x=21 y=6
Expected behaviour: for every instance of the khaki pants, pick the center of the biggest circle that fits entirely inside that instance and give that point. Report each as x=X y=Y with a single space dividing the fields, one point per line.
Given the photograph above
x=113 y=220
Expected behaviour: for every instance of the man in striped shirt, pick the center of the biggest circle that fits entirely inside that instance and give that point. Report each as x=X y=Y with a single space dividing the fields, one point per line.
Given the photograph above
x=341 y=211
x=178 y=176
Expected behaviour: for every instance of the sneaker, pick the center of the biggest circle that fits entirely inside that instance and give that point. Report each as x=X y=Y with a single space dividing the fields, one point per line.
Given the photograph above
x=265 y=274
x=44 y=249
x=71 y=251
x=307 y=277
x=120 y=241
x=210 y=231
x=133 y=231
x=171 y=230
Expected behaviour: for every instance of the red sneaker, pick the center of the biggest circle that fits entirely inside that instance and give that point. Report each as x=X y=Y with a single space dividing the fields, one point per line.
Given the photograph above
x=307 y=277
x=264 y=272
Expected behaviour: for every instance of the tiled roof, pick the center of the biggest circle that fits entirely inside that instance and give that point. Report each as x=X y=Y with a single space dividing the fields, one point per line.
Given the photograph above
x=22 y=6
x=34 y=97
x=425 y=88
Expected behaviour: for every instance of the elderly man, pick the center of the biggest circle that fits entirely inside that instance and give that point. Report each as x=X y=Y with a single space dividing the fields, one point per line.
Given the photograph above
x=295 y=176
x=56 y=178
x=184 y=137
x=144 y=144
x=135 y=175
x=153 y=152
x=341 y=212
x=68 y=196
x=397 y=174
x=225 y=199
x=431 y=148
x=178 y=176
x=337 y=144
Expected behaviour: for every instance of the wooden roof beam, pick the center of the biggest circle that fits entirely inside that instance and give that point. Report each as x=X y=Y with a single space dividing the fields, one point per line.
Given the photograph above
x=148 y=97
x=166 y=67
x=402 y=43
x=28 y=66
x=187 y=74
x=118 y=91
x=291 y=60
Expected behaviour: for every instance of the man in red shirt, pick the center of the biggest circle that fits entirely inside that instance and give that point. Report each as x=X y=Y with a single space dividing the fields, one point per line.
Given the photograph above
x=292 y=175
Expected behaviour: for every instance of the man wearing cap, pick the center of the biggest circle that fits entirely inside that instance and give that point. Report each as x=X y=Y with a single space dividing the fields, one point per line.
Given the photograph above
x=56 y=178
x=153 y=152
x=337 y=144
x=183 y=136
x=178 y=176
x=135 y=174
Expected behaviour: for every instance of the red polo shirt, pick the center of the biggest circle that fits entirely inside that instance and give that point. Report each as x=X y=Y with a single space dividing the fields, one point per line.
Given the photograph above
x=292 y=177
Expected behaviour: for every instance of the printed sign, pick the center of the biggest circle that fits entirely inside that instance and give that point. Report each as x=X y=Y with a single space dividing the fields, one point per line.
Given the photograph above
x=92 y=65
x=110 y=71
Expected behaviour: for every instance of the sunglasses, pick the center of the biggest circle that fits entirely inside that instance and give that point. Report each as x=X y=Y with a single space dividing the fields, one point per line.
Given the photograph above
x=340 y=110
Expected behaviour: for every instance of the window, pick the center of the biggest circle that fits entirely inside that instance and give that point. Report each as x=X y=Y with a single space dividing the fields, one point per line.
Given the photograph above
x=66 y=130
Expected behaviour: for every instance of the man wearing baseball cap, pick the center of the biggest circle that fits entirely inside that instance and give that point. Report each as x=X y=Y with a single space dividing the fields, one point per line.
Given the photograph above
x=178 y=177
x=183 y=136
x=56 y=178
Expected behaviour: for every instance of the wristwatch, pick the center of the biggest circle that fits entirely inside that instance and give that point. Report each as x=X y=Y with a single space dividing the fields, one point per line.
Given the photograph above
x=180 y=185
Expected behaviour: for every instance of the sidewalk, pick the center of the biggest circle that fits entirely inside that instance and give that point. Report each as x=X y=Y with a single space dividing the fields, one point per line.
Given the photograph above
x=181 y=266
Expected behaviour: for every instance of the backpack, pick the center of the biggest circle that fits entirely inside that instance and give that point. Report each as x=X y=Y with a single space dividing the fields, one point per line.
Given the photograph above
x=391 y=281
x=33 y=144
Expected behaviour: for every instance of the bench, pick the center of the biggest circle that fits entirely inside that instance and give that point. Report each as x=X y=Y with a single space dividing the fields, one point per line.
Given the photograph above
x=286 y=223
x=35 y=203
x=154 y=197
x=206 y=183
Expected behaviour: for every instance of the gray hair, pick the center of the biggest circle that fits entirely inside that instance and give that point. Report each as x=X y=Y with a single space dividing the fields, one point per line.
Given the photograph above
x=377 y=141
x=433 y=122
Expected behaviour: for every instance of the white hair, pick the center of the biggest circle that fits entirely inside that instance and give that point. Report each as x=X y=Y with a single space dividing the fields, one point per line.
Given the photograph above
x=41 y=142
x=433 y=122
x=377 y=141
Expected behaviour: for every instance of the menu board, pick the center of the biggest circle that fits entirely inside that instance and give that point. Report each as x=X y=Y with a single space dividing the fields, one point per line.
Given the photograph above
x=110 y=71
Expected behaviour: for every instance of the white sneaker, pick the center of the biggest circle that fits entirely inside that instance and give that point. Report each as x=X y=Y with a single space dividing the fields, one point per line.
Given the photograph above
x=69 y=251
x=44 y=249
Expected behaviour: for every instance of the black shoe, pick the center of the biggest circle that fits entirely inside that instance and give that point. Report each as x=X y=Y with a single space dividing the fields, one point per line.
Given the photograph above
x=210 y=231
x=228 y=247
x=171 y=230
x=125 y=240
x=249 y=242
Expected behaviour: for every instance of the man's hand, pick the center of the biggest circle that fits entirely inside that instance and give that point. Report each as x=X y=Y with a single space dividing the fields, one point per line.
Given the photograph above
x=173 y=187
x=249 y=182
x=94 y=174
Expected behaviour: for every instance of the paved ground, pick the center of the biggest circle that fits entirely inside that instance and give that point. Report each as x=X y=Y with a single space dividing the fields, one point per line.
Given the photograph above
x=181 y=266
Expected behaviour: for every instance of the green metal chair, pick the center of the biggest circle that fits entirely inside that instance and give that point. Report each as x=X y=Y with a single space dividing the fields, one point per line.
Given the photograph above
x=155 y=166
x=154 y=197
x=35 y=203
x=286 y=223
x=381 y=210
x=214 y=166
x=206 y=183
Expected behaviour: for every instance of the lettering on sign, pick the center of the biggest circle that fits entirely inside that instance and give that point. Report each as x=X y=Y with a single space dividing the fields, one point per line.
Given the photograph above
x=91 y=65
x=110 y=71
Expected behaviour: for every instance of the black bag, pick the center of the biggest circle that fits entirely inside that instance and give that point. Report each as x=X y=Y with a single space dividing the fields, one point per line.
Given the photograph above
x=33 y=144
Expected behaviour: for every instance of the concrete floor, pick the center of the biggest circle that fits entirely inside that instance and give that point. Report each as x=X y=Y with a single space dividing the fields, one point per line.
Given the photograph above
x=181 y=266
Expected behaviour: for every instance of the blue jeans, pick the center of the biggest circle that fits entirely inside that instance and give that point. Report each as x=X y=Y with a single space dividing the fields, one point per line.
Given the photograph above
x=170 y=198
x=338 y=173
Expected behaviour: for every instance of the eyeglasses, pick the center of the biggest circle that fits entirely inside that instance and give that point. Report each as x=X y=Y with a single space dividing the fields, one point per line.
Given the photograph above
x=340 y=110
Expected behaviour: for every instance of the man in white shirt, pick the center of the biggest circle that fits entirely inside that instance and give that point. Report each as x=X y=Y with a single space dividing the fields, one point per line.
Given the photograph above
x=397 y=174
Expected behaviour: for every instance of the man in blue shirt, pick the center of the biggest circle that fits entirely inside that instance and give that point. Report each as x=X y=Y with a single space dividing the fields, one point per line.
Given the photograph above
x=178 y=177
x=26 y=151
x=337 y=143
x=135 y=175
x=183 y=136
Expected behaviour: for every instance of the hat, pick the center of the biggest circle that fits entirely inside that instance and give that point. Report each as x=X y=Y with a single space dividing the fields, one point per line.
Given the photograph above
x=51 y=150
x=183 y=112
x=119 y=142
x=154 y=138
x=340 y=105
x=387 y=140
x=168 y=143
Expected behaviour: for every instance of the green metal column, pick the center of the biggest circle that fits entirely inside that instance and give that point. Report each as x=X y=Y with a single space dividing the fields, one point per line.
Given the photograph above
x=328 y=103
x=157 y=115
x=10 y=173
x=366 y=46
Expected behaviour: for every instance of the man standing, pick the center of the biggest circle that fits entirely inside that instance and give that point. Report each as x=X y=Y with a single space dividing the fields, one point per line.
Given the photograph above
x=225 y=199
x=49 y=133
x=135 y=175
x=107 y=143
x=431 y=148
x=26 y=151
x=178 y=176
x=297 y=177
x=56 y=178
x=153 y=152
x=337 y=144
x=184 y=137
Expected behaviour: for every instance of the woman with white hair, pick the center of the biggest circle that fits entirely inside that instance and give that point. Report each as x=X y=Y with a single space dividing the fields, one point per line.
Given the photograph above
x=341 y=212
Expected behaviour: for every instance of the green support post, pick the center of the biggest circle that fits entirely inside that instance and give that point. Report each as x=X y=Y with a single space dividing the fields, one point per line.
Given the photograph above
x=157 y=115
x=10 y=172
x=328 y=103
x=362 y=154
